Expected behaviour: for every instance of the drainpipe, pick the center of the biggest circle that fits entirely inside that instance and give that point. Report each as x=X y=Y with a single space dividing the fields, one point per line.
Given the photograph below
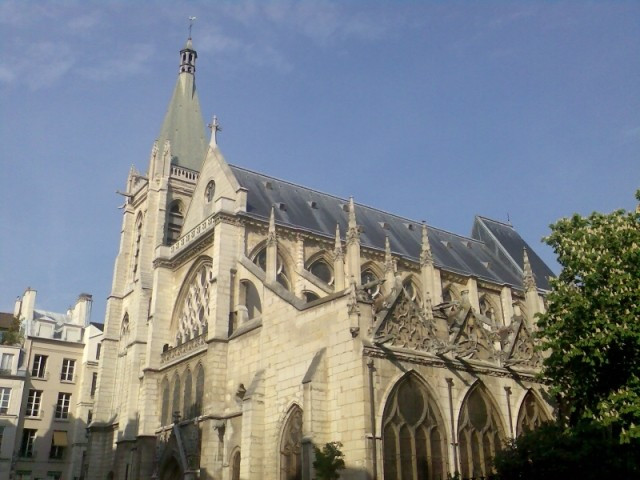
x=374 y=453
x=454 y=442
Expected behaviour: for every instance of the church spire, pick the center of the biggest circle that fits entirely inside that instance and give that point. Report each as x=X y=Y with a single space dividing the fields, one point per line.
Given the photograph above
x=183 y=125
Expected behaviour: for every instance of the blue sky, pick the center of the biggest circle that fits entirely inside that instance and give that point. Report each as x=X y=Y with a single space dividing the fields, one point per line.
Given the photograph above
x=431 y=110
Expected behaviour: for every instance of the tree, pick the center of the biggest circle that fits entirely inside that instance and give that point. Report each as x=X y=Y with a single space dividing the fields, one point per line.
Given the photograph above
x=329 y=461
x=591 y=328
x=552 y=451
x=12 y=336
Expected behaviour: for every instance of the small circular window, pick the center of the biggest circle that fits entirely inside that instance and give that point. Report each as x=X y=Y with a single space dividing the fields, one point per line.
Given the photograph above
x=210 y=191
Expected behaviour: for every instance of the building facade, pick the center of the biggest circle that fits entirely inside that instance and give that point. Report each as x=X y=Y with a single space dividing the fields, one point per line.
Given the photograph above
x=251 y=318
x=54 y=374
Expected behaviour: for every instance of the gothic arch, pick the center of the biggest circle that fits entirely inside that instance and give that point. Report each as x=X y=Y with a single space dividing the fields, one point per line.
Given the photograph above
x=175 y=220
x=284 y=263
x=250 y=298
x=531 y=413
x=480 y=432
x=490 y=309
x=234 y=463
x=290 y=445
x=136 y=245
x=164 y=405
x=187 y=402
x=413 y=287
x=369 y=270
x=454 y=290
x=175 y=399
x=190 y=316
x=320 y=265
x=198 y=401
x=413 y=433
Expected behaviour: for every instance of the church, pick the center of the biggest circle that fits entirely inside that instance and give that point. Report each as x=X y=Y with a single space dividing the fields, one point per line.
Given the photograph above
x=251 y=319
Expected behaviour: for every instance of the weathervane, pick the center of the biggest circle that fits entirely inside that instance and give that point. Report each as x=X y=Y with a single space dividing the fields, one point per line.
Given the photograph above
x=191 y=20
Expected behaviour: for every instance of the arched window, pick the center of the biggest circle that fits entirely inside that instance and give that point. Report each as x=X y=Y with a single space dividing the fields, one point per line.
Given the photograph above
x=250 y=299
x=479 y=435
x=136 y=247
x=321 y=269
x=187 y=403
x=487 y=309
x=368 y=276
x=164 y=415
x=531 y=415
x=175 y=405
x=413 y=439
x=175 y=219
x=291 y=446
x=282 y=275
x=210 y=191
x=193 y=315
x=235 y=465
x=124 y=335
x=310 y=296
x=197 y=406
x=412 y=291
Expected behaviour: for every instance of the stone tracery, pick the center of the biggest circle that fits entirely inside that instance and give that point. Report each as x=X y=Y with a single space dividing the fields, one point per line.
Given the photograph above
x=193 y=317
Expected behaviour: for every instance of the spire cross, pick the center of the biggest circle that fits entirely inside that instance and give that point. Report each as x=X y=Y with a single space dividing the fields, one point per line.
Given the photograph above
x=191 y=20
x=215 y=127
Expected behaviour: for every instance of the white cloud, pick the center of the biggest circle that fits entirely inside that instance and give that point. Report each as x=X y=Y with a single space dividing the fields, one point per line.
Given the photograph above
x=40 y=65
x=121 y=66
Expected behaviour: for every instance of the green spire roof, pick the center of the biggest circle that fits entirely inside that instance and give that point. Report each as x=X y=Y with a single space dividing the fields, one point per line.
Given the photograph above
x=183 y=125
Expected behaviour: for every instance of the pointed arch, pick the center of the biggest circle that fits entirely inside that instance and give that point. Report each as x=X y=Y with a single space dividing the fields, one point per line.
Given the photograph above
x=234 y=462
x=320 y=265
x=369 y=273
x=164 y=407
x=480 y=432
x=490 y=309
x=414 y=441
x=199 y=396
x=187 y=403
x=531 y=414
x=283 y=263
x=412 y=286
x=291 y=445
x=137 y=245
x=191 y=311
x=175 y=404
x=175 y=220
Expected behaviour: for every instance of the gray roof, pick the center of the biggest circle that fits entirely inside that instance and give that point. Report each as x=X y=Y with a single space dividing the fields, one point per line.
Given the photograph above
x=183 y=125
x=493 y=253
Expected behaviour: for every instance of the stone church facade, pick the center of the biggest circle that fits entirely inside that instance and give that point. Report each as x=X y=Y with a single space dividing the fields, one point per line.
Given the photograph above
x=251 y=318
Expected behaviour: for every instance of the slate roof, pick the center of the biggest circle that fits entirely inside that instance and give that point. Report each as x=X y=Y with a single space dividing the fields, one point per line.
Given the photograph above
x=493 y=253
x=183 y=125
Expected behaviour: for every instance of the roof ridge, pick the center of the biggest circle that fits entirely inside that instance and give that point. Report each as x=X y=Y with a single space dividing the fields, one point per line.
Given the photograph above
x=495 y=221
x=400 y=217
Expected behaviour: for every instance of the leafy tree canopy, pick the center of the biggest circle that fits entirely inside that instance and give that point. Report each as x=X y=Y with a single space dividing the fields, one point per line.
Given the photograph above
x=329 y=461
x=592 y=324
x=12 y=336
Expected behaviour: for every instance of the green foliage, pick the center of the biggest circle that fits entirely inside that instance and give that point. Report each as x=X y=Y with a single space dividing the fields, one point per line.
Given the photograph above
x=592 y=324
x=586 y=451
x=12 y=336
x=329 y=461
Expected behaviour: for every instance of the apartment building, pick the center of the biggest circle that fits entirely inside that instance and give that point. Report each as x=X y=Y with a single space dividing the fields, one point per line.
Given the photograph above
x=58 y=374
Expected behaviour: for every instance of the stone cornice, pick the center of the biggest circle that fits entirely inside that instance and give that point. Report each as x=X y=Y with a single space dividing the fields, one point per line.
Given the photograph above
x=443 y=362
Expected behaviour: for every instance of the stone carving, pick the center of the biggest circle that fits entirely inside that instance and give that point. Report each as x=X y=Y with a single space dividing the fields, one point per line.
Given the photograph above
x=405 y=326
x=522 y=350
x=183 y=349
x=194 y=313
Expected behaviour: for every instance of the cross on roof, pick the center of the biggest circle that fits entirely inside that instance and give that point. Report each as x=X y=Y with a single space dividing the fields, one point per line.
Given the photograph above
x=191 y=20
x=215 y=127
